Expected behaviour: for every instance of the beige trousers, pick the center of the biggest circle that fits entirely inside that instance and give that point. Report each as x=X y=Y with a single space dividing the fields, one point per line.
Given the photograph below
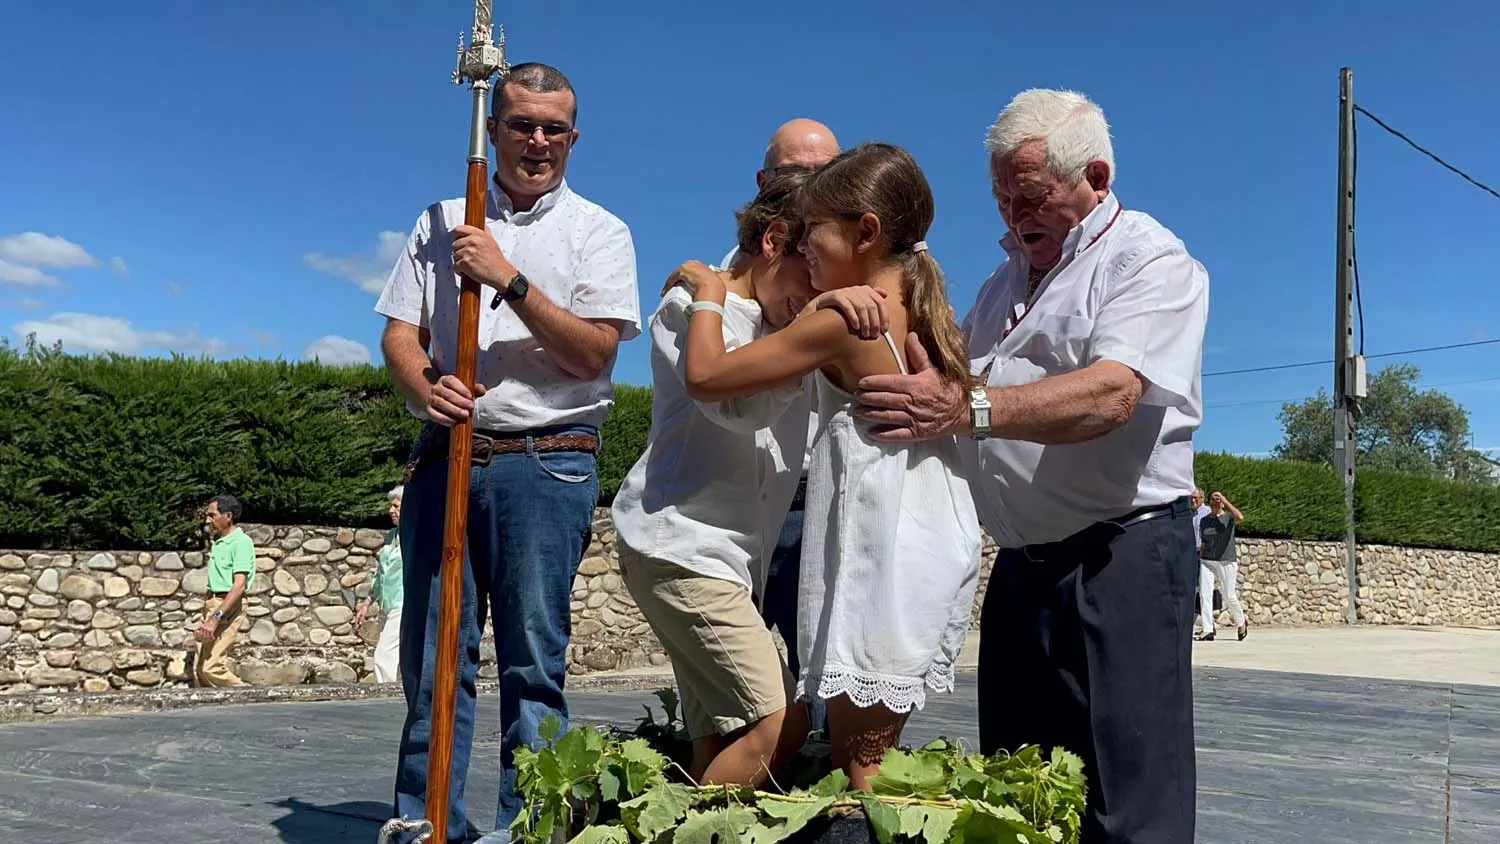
x=212 y=665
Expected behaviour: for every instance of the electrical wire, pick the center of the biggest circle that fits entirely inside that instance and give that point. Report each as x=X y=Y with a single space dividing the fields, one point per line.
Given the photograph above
x=1359 y=296
x=1308 y=363
x=1419 y=148
x=1254 y=402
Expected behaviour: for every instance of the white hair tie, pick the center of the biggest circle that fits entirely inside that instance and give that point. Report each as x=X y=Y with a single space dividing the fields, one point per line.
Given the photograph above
x=919 y=246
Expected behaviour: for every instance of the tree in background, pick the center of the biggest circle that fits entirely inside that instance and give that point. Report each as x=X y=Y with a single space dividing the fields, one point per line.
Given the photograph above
x=1400 y=429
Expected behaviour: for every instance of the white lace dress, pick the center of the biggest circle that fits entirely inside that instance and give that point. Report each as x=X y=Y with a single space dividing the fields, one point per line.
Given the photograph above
x=890 y=562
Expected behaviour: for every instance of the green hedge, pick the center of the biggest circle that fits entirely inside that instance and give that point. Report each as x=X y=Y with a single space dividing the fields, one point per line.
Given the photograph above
x=116 y=452
x=1285 y=499
x=1280 y=499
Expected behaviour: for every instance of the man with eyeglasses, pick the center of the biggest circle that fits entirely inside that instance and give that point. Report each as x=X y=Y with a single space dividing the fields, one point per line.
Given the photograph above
x=560 y=279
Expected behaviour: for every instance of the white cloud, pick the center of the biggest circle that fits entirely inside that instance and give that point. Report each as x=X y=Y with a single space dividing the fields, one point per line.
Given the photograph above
x=368 y=270
x=95 y=333
x=119 y=264
x=337 y=351
x=25 y=303
x=11 y=273
x=34 y=249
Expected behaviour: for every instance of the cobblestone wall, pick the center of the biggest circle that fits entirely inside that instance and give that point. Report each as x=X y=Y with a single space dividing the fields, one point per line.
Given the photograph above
x=113 y=620
x=1291 y=582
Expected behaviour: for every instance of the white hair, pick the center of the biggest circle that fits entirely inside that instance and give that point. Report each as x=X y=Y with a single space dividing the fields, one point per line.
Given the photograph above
x=395 y=493
x=1072 y=125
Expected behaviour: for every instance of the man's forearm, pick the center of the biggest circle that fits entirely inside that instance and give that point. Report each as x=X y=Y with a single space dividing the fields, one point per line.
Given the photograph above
x=408 y=362
x=232 y=598
x=1071 y=408
x=1235 y=512
x=580 y=347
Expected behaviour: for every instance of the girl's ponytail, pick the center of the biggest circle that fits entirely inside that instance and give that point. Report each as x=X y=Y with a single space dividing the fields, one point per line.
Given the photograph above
x=932 y=317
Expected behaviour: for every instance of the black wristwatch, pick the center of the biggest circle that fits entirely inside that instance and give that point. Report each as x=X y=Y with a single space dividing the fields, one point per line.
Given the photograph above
x=514 y=292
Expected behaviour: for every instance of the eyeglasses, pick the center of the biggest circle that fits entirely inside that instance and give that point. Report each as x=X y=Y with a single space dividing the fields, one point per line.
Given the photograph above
x=526 y=128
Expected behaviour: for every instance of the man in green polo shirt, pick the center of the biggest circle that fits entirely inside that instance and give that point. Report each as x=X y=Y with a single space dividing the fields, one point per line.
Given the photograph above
x=231 y=570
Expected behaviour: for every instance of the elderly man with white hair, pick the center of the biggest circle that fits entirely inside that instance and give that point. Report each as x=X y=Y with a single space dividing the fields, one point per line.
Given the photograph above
x=1079 y=451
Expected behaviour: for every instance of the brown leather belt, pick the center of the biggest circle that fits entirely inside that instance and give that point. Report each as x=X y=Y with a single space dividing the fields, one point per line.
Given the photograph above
x=483 y=446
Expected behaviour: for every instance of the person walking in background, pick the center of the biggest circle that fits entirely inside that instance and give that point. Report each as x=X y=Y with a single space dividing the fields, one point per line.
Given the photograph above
x=1200 y=509
x=385 y=596
x=231 y=570
x=1220 y=560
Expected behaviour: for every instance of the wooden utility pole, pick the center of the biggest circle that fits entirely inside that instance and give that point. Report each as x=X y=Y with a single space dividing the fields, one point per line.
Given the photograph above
x=1348 y=363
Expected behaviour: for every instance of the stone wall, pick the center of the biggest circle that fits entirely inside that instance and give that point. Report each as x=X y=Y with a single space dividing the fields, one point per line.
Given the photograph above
x=1291 y=582
x=96 y=621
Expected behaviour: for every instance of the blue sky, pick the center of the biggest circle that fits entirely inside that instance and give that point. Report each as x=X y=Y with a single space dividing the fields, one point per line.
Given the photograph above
x=217 y=178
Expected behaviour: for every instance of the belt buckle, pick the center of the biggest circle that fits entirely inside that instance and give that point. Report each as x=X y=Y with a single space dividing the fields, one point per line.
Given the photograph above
x=477 y=439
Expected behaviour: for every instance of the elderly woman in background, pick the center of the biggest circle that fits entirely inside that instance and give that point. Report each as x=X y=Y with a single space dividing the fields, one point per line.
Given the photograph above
x=385 y=595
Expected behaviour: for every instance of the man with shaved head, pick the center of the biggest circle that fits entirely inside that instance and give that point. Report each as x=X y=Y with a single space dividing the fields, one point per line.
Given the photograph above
x=798 y=143
x=806 y=144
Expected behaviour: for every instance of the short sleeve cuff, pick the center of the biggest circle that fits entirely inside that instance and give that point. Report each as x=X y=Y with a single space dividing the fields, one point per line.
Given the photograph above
x=1165 y=388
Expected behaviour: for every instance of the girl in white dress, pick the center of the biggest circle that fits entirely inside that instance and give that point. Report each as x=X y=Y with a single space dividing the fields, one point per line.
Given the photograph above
x=891 y=540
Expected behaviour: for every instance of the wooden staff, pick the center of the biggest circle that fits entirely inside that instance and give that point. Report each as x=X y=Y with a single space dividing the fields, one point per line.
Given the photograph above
x=483 y=59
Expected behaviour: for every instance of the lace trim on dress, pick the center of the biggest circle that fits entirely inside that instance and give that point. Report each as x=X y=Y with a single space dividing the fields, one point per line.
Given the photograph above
x=898 y=694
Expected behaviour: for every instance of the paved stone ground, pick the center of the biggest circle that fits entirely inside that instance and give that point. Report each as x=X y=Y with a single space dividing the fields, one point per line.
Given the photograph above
x=1282 y=758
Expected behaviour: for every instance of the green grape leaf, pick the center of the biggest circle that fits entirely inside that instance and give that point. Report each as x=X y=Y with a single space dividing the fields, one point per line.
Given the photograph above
x=715 y=826
x=884 y=818
x=836 y=783
x=658 y=810
x=908 y=774
x=759 y=833
x=643 y=765
x=602 y=835
x=609 y=784
x=794 y=815
x=549 y=728
x=913 y=818
x=579 y=754
x=937 y=824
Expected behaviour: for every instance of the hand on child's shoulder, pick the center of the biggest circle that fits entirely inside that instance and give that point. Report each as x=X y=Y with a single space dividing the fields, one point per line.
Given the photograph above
x=691 y=275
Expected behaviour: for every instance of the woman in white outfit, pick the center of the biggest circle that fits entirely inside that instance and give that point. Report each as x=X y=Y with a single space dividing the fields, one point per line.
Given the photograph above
x=385 y=596
x=1220 y=560
x=891 y=540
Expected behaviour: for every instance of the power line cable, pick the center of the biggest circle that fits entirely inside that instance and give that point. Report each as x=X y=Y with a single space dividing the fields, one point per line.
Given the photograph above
x=1254 y=402
x=1359 y=295
x=1308 y=363
x=1419 y=148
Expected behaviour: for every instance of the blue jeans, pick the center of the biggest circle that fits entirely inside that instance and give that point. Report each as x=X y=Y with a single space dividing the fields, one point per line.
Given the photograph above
x=779 y=604
x=530 y=518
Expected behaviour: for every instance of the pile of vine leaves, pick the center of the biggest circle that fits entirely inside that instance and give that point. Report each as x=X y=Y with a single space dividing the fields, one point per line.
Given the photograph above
x=610 y=786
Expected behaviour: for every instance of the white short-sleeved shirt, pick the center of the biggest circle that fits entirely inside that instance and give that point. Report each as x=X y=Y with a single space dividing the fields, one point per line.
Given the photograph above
x=572 y=250
x=809 y=386
x=712 y=488
x=1126 y=290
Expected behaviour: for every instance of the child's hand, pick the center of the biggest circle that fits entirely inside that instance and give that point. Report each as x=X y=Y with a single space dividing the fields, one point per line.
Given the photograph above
x=694 y=276
x=861 y=306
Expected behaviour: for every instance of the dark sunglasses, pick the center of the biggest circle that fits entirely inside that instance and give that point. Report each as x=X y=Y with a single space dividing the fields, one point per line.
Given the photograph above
x=526 y=129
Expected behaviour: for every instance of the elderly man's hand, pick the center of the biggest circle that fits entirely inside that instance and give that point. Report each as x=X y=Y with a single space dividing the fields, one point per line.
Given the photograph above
x=919 y=406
